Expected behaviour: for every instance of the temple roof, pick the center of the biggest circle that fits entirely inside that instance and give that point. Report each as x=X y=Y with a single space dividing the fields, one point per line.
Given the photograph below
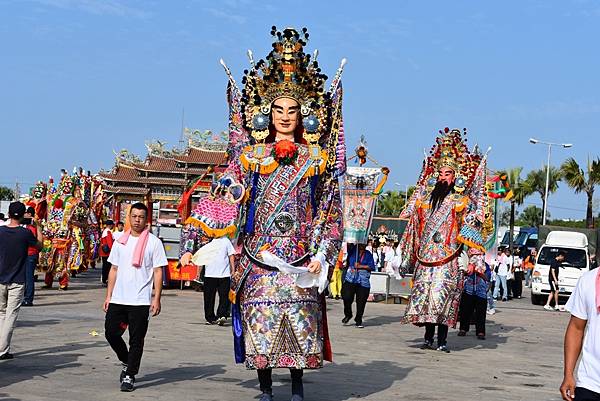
x=152 y=171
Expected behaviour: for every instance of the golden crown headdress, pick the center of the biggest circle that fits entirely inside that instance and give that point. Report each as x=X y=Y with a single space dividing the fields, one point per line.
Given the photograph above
x=286 y=72
x=450 y=150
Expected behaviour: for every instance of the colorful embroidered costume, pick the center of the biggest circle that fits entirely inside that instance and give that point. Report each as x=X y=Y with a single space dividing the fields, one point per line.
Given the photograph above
x=437 y=239
x=70 y=226
x=285 y=200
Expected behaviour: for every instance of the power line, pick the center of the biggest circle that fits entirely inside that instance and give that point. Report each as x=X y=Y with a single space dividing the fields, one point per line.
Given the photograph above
x=556 y=207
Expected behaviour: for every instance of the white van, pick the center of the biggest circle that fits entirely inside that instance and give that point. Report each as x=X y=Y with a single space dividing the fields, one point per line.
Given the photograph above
x=576 y=263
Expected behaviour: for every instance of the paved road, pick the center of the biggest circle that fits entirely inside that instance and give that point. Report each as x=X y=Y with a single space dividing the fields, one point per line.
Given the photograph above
x=58 y=359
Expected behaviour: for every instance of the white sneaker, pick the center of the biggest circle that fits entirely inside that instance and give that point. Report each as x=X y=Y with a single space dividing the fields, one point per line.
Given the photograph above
x=548 y=307
x=557 y=308
x=491 y=311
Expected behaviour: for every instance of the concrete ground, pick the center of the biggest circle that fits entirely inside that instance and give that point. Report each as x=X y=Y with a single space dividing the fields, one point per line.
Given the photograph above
x=61 y=354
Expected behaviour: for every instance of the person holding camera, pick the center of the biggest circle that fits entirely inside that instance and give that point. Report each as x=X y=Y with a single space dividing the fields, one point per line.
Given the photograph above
x=14 y=243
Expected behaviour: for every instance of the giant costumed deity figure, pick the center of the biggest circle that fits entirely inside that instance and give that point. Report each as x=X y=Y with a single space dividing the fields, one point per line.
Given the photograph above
x=286 y=153
x=67 y=228
x=445 y=234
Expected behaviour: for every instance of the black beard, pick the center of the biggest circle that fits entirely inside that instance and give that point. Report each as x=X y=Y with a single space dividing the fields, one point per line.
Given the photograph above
x=439 y=193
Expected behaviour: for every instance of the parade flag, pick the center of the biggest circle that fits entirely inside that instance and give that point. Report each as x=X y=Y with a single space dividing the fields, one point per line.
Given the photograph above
x=359 y=198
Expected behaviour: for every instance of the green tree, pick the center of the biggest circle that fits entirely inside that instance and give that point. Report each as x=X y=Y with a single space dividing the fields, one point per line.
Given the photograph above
x=6 y=194
x=531 y=216
x=577 y=179
x=520 y=191
x=390 y=203
x=536 y=182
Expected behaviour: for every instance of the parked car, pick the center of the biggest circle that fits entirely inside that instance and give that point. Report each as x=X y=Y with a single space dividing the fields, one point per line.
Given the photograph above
x=576 y=263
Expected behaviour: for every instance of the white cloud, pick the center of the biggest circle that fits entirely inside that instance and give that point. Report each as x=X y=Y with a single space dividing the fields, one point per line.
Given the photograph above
x=97 y=7
x=224 y=14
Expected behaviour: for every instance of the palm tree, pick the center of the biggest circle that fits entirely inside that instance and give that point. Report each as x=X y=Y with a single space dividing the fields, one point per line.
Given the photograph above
x=520 y=191
x=577 y=179
x=536 y=182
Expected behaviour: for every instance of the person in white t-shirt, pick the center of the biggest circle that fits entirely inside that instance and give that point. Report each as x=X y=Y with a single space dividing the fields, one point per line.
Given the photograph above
x=137 y=262
x=583 y=330
x=217 y=278
x=119 y=231
x=392 y=260
x=500 y=265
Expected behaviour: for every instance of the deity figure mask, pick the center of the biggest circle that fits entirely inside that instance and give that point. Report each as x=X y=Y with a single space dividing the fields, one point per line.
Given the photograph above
x=285 y=113
x=443 y=186
x=447 y=175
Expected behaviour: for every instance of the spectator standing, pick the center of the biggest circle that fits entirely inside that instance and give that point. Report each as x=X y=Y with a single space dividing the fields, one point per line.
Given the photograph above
x=14 y=243
x=217 y=278
x=582 y=338
x=137 y=261
x=491 y=303
x=510 y=276
x=528 y=265
x=119 y=231
x=553 y=280
x=357 y=282
x=517 y=266
x=106 y=243
x=335 y=287
x=474 y=300
x=32 y=260
x=501 y=269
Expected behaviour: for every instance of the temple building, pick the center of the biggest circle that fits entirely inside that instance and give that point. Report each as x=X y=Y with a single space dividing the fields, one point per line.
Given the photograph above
x=161 y=178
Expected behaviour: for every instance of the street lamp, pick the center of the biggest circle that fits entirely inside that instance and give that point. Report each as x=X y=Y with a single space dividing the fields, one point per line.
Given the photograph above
x=405 y=192
x=550 y=144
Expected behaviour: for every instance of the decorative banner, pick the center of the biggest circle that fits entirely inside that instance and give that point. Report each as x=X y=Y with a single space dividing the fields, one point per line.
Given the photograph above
x=359 y=202
x=358 y=214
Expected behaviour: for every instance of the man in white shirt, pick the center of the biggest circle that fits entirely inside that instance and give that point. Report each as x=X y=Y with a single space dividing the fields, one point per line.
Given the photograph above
x=119 y=231
x=137 y=261
x=583 y=330
x=217 y=275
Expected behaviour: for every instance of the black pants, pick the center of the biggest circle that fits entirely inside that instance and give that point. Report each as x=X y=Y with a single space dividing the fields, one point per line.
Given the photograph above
x=468 y=305
x=517 y=288
x=118 y=317
x=105 y=269
x=442 y=333
x=212 y=285
x=349 y=290
x=583 y=394
x=266 y=381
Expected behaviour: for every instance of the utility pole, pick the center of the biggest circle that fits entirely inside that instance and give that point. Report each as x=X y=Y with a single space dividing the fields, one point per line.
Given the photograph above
x=17 y=190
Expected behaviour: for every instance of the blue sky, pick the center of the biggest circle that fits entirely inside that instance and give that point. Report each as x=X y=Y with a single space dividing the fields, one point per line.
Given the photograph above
x=80 y=78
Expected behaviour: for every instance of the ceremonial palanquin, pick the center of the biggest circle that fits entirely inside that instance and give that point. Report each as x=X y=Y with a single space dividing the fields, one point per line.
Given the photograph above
x=282 y=198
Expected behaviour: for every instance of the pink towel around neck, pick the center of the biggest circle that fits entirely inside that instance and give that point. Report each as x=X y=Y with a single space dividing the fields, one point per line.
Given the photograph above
x=140 y=247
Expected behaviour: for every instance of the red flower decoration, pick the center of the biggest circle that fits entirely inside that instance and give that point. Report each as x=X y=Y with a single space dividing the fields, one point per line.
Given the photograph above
x=286 y=361
x=312 y=362
x=260 y=361
x=285 y=152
